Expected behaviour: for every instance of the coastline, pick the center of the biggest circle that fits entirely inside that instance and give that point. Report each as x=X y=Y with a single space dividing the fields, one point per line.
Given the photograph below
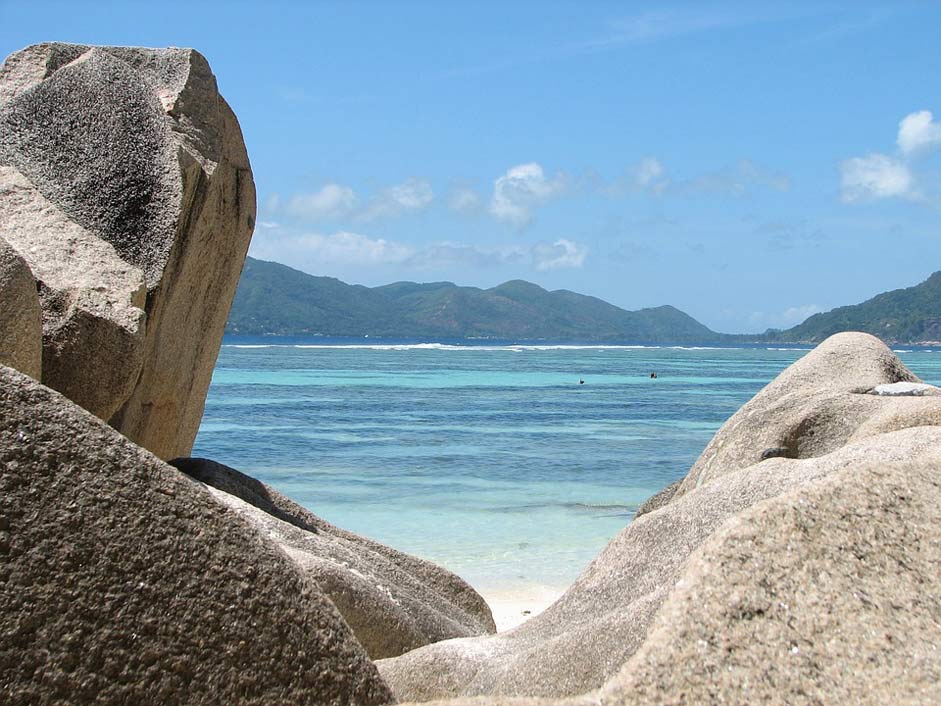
x=511 y=607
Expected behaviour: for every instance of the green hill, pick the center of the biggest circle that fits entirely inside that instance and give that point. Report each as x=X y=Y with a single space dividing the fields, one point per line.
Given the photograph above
x=909 y=315
x=276 y=299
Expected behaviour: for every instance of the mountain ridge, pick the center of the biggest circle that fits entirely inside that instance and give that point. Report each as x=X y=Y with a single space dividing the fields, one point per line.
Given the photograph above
x=276 y=299
x=899 y=316
x=273 y=298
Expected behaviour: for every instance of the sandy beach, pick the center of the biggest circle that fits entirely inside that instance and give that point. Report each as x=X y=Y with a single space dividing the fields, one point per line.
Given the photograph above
x=513 y=607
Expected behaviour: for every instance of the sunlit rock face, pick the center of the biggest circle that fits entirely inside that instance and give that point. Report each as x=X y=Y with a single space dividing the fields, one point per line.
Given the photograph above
x=126 y=187
x=815 y=406
x=20 y=314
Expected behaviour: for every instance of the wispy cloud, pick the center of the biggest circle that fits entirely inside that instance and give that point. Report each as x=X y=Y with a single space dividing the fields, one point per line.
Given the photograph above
x=562 y=254
x=328 y=249
x=542 y=256
x=410 y=196
x=736 y=180
x=651 y=176
x=463 y=199
x=797 y=314
x=521 y=190
x=847 y=24
x=448 y=255
x=336 y=202
x=793 y=315
x=352 y=248
x=331 y=201
x=648 y=175
x=787 y=235
x=671 y=22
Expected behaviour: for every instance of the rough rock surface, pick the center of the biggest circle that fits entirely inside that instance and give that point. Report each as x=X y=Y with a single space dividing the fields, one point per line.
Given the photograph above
x=124 y=581
x=125 y=185
x=393 y=601
x=813 y=407
x=92 y=330
x=658 y=500
x=582 y=640
x=828 y=594
x=20 y=314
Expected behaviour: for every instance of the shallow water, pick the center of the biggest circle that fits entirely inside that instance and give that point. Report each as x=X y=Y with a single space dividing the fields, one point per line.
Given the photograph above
x=491 y=460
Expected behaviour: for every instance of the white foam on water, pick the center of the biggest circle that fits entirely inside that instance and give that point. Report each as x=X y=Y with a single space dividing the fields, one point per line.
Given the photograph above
x=514 y=348
x=704 y=348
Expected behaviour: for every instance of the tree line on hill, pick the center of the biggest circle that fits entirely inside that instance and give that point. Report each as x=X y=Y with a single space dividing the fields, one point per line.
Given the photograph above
x=278 y=300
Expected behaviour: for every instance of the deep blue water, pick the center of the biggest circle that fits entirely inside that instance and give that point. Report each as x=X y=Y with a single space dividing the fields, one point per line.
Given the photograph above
x=490 y=459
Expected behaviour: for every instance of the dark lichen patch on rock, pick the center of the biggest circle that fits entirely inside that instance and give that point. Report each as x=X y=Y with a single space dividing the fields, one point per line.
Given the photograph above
x=95 y=140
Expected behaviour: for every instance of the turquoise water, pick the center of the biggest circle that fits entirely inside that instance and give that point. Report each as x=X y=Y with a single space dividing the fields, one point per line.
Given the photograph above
x=491 y=460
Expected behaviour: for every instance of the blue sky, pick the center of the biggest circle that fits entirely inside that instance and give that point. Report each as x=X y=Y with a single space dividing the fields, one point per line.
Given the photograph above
x=749 y=163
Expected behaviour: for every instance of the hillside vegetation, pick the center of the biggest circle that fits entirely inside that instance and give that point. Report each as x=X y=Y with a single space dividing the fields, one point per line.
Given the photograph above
x=276 y=299
x=909 y=315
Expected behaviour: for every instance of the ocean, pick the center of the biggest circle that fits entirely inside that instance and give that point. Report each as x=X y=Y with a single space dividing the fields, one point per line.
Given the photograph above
x=511 y=465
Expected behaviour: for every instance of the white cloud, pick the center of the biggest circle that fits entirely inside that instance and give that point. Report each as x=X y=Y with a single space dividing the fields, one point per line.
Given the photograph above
x=523 y=188
x=755 y=174
x=875 y=176
x=560 y=254
x=797 y=314
x=408 y=197
x=917 y=132
x=463 y=199
x=272 y=203
x=350 y=248
x=649 y=175
x=332 y=201
x=735 y=180
x=669 y=23
x=649 y=171
x=443 y=255
x=268 y=225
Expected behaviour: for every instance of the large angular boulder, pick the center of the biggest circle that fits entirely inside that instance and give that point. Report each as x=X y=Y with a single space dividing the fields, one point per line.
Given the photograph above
x=815 y=406
x=20 y=314
x=582 y=640
x=124 y=581
x=393 y=601
x=125 y=185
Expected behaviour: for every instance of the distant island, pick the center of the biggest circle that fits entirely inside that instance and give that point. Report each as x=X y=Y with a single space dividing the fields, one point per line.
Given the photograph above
x=275 y=299
x=910 y=315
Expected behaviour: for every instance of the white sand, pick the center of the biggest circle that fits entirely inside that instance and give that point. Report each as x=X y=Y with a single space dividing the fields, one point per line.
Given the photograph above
x=514 y=607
